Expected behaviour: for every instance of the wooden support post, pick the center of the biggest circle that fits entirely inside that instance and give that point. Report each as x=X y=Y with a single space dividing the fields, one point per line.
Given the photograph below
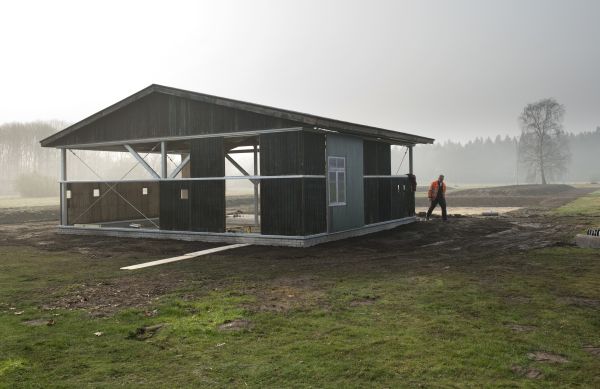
x=163 y=159
x=63 y=187
x=410 y=159
x=256 y=185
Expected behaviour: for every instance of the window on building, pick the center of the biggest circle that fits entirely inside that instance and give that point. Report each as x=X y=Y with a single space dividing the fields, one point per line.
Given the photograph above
x=336 y=173
x=96 y=192
x=184 y=194
x=144 y=191
x=68 y=193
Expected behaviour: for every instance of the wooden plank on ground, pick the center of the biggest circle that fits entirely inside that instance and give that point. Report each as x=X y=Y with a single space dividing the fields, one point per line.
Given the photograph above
x=184 y=256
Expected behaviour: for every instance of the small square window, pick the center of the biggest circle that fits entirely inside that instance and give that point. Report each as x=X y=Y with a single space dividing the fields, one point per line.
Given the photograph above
x=184 y=194
x=68 y=194
x=96 y=192
x=144 y=191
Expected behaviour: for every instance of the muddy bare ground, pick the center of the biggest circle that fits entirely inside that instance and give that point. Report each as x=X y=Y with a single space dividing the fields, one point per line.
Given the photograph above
x=28 y=214
x=289 y=278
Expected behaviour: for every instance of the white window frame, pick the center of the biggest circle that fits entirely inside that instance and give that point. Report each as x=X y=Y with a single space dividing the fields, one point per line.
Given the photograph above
x=338 y=171
x=96 y=192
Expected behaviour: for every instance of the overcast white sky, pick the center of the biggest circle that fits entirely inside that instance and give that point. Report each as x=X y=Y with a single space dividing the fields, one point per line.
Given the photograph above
x=445 y=69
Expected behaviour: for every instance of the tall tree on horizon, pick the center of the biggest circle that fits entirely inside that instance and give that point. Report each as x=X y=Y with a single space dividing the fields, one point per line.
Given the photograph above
x=543 y=148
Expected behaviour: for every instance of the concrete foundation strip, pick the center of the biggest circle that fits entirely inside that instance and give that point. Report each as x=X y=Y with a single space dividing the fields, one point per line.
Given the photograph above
x=185 y=256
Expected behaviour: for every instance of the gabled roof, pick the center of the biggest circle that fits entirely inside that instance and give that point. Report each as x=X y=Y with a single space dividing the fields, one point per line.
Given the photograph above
x=302 y=119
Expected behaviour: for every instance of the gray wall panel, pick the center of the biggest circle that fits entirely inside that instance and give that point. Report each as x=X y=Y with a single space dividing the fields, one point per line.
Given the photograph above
x=351 y=215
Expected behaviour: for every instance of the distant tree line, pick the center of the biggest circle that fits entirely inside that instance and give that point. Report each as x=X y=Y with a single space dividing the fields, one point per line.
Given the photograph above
x=25 y=166
x=495 y=161
x=31 y=170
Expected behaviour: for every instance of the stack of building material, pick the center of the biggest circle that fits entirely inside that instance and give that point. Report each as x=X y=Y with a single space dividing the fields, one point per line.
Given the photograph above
x=589 y=240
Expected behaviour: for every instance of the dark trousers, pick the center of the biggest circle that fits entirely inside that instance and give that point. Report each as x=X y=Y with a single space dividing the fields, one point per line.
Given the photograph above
x=442 y=202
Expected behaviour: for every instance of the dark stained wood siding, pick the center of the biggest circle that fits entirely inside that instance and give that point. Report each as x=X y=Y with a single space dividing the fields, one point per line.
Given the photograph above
x=388 y=199
x=281 y=207
x=204 y=210
x=207 y=157
x=207 y=206
x=371 y=188
x=385 y=199
x=315 y=205
x=160 y=115
x=174 y=212
x=402 y=198
x=291 y=153
x=293 y=206
x=313 y=148
x=376 y=157
x=280 y=153
x=110 y=206
x=144 y=118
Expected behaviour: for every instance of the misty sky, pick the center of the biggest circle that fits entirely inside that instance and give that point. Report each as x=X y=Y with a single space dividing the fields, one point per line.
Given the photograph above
x=445 y=69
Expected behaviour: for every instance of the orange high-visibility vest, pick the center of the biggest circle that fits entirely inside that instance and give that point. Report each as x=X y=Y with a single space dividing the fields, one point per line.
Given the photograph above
x=433 y=189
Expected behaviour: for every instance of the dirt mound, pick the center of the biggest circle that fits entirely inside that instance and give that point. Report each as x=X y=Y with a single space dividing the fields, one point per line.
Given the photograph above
x=541 y=356
x=515 y=190
x=545 y=196
x=425 y=188
x=527 y=372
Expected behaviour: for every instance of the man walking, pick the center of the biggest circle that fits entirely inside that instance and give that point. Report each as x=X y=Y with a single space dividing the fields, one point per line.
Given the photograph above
x=437 y=195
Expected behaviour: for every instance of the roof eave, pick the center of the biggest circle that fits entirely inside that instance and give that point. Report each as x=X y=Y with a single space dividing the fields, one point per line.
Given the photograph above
x=305 y=119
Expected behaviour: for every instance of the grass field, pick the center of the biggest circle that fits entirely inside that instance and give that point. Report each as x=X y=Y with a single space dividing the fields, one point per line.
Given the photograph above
x=470 y=324
x=586 y=205
x=397 y=309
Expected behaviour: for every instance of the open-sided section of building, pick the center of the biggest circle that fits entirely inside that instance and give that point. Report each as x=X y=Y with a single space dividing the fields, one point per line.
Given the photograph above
x=314 y=179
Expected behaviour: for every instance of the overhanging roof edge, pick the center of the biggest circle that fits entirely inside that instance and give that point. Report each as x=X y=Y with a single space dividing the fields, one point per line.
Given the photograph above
x=306 y=119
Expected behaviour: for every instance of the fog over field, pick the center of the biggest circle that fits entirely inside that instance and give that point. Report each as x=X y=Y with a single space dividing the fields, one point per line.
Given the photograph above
x=460 y=72
x=29 y=170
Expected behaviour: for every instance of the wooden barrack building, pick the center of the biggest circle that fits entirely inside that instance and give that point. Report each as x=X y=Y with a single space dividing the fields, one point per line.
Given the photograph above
x=319 y=179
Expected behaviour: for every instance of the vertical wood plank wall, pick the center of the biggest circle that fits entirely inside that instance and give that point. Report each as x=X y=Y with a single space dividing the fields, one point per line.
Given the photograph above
x=109 y=206
x=385 y=198
x=162 y=115
x=204 y=210
x=293 y=206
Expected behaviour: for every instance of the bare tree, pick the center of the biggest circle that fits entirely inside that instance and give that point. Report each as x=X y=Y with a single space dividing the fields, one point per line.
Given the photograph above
x=543 y=148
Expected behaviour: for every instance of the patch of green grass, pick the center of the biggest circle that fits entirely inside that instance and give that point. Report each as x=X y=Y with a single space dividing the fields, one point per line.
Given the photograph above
x=588 y=205
x=27 y=202
x=10 y=365
x=427 y=325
